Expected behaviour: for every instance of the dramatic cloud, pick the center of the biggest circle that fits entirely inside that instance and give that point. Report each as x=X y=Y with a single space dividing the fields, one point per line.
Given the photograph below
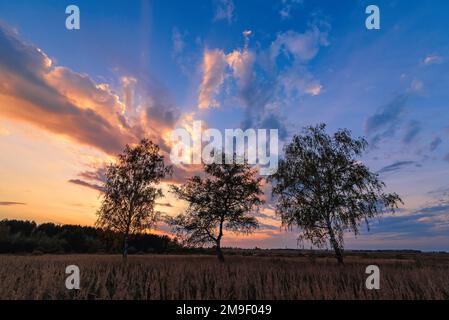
x=160 y=118
x=84 y=93
x=57 y=99
x=241 y=63
x=64 y=102
x=261 y=84
x=253 y=92
x=283 y=84
x=214 y=64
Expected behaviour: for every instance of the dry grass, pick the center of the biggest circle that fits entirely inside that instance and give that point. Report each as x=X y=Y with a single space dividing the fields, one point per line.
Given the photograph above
x=202 y=277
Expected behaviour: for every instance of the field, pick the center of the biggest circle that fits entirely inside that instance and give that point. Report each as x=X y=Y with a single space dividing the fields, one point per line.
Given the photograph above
x=403 y=276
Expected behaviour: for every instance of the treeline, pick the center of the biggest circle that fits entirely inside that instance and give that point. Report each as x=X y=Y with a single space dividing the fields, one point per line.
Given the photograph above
x=18 y=236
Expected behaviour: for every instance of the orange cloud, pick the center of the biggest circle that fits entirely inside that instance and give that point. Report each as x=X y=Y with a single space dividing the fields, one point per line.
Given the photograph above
x=57 y=99
x=214 y=63
x=67 y=103
x=34 y=90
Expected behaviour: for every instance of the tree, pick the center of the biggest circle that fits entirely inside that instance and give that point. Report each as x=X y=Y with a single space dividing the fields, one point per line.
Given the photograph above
x=322 y=188
x=130 y=191
x=223 y=200
x=25 y=228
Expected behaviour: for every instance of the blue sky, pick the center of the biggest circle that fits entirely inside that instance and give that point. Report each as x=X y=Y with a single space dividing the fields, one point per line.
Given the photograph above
x=278 y=64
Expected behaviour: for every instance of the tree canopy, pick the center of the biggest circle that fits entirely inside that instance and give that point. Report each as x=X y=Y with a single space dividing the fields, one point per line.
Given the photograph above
x=323 y=187
x=222 y=200
x=130 y=190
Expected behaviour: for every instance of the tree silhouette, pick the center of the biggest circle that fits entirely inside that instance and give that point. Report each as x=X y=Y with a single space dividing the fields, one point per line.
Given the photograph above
x=130 y=191
x=322 y=188
x=223 y=200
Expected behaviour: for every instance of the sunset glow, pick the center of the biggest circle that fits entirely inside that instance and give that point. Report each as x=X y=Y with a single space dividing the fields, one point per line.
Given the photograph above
x=71 y=100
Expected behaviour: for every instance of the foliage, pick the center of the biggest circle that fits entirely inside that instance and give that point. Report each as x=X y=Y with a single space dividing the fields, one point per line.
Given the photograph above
x=223 y=200
x=130 y=191
x=17 y=237
x=322 y=187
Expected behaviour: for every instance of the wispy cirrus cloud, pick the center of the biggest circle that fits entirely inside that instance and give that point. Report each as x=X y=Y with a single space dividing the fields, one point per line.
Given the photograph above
x=180 y=50
x=287 y=6
x=385 y=122
x=11 y=203
x=397 y=166
x=224 y=10
x=178 y=41
x=411 y=131
x=86 y=184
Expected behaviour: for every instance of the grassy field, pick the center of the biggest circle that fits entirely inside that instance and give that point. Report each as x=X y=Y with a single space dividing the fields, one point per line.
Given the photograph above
x=405 y=276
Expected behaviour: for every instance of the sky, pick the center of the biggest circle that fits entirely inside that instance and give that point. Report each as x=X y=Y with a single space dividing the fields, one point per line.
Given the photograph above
x=71 y=99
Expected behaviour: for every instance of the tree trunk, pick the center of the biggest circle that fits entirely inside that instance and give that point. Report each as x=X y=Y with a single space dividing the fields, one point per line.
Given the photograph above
x=125 y=248
x=218 y=242
x=335 y=245
x=338 y=253
x=219 y=252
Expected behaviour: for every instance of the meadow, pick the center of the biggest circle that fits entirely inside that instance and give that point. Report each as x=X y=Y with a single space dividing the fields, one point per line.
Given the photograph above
x=286 y=276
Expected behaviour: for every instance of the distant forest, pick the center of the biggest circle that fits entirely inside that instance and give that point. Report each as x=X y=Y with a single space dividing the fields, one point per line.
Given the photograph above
x=28 y=237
